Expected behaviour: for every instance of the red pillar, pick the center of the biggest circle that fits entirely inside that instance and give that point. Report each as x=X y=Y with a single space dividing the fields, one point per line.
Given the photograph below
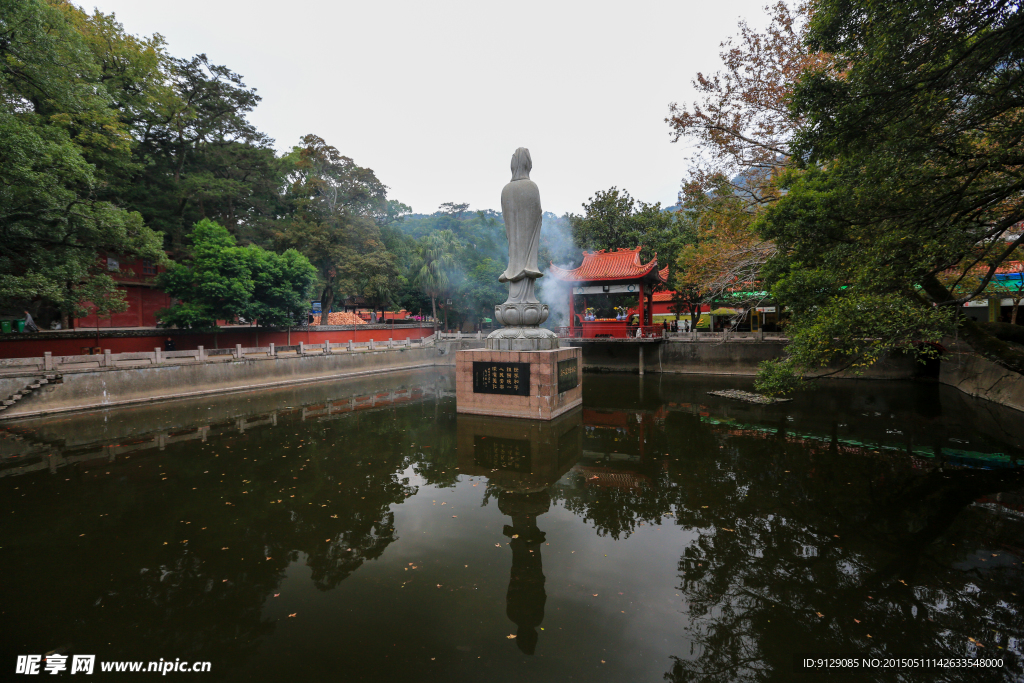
x=643 y=315
x=572 y=314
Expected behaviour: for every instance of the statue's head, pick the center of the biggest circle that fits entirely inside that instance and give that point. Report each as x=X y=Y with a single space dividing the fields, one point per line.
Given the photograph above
x=521 y=164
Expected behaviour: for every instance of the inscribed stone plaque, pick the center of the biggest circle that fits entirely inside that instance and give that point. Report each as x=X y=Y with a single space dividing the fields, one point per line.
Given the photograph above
x=501 y=378
x=568 y=375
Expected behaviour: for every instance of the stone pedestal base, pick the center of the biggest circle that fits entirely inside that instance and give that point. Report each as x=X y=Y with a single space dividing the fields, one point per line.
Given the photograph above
x=518 y=383
x=522 y=343
x=522 y=339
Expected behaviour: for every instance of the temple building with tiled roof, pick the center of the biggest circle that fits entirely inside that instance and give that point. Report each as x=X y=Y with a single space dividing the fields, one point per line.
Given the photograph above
x=612 y=266
x=612 y=272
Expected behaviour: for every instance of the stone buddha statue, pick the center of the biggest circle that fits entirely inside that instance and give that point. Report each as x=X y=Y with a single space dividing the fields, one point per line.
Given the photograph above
x=520 y=208
x=522 y=313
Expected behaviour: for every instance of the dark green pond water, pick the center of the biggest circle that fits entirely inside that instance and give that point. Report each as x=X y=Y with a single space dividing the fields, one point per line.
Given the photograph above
x=363 y=531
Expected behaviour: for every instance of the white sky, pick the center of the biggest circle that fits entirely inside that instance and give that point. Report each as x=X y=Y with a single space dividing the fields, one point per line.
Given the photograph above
x=435 y=96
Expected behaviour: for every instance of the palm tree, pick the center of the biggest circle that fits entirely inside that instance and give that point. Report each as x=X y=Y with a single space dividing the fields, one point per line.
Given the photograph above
x=434 y=265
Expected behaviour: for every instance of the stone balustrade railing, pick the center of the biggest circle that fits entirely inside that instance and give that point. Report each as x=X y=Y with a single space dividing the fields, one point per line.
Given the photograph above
x=479 y=336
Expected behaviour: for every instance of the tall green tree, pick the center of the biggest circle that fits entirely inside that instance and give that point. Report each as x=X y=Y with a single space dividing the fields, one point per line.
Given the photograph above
x=199 y=155
x=612 y=219
x=435 y=266
x=741 y=131
x=60 y=141
x=912 y=161
x=222 y=281
x=334 y=221
x=482 y=291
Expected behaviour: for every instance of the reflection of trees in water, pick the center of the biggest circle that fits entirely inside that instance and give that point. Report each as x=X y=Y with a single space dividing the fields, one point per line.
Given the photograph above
x=786 y=564
x=618 y=495
x=614 y=511
x=436 y=459
x=181 y=548
x=792 y=538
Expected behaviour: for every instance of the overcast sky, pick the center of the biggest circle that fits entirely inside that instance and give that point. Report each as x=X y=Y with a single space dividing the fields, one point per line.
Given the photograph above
x=435 y=96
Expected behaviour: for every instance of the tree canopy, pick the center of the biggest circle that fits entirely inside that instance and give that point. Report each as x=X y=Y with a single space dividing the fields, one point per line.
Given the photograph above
x=61 y=142
x=910 y=166
x=613 y=219
x=335 y=210
x=222 y=281
x=861 y=163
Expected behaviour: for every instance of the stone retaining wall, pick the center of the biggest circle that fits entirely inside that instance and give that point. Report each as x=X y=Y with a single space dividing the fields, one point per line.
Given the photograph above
x=975 y=376
x=102 y=387
x=716 y=358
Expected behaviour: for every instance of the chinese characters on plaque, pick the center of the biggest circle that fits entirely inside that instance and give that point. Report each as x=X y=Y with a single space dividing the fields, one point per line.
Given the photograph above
x=568 y=375
x=501 y=378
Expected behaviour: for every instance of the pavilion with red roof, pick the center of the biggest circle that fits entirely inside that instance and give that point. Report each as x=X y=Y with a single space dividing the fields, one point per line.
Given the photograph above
x=612 y=272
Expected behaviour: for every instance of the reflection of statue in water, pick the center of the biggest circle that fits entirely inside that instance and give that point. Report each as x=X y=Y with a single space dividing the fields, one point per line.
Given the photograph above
x=522 y=312
x=543 y=453
x=526 y=597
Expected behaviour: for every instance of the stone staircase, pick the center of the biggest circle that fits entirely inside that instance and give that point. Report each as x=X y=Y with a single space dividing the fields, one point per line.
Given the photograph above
x=32 y=387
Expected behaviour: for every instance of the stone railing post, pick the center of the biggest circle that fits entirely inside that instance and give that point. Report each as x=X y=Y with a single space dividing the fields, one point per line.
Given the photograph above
x=106 y=359
x=408 y=341
x=158 y=356
x=391 y=343
x=349 y=345
x=47 y=361
x=371 y=345
x=302 y=348
x=273 y=351
x=202 y=353
x=238 y=351
x=327 y=346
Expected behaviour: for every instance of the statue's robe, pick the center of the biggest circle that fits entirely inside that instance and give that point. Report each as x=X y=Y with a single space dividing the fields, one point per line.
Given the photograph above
x=520 y=208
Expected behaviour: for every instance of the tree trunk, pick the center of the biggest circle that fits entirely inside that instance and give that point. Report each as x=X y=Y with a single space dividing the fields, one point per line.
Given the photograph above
x=1005 y=331
x=326 y=300
x=985 y=344
x=1013 y=314
x=433 y=310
